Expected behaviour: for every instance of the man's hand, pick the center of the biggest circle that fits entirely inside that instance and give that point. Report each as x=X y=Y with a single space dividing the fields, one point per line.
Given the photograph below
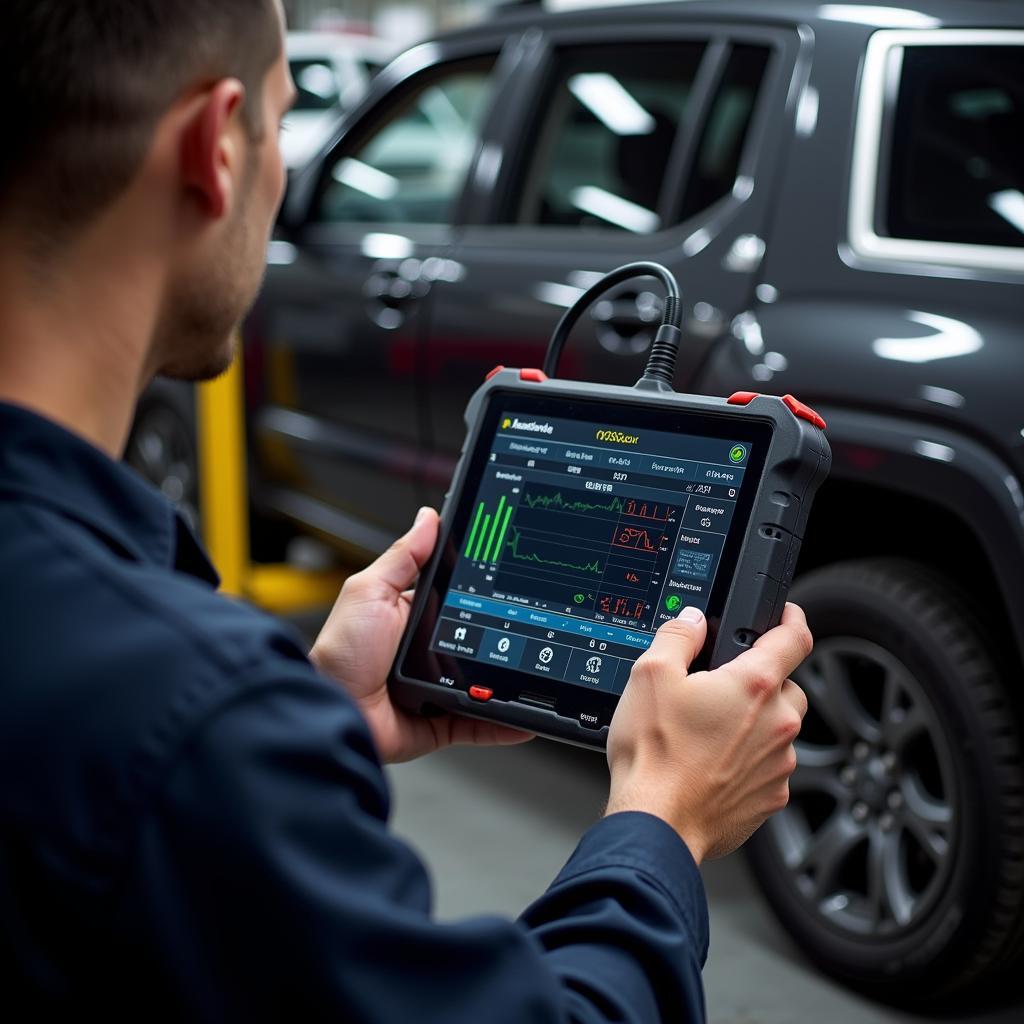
x=360 y=639
x=709 y=753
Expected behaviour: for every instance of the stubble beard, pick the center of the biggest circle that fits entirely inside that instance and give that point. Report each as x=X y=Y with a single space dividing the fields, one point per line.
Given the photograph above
x=200 y=331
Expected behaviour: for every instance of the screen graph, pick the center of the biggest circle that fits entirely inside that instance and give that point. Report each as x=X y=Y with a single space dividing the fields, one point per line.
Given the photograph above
x=488 y=537
x=568 y=547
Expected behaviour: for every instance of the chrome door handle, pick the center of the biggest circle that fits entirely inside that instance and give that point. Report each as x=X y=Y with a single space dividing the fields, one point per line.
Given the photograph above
x=626 y=323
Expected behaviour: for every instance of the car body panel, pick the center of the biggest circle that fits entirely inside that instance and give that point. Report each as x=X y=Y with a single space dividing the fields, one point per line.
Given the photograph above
x=929 y=350
x=519 y=279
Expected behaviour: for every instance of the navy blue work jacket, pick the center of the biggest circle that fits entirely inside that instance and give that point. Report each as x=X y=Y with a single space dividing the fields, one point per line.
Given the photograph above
x=193 y=822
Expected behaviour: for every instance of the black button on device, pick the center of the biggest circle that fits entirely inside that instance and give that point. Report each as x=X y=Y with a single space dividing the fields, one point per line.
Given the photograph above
x=538 y=700
x=590 y=720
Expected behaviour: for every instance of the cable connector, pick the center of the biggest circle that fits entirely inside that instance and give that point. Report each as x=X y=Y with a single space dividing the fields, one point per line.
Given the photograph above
x=662 y=361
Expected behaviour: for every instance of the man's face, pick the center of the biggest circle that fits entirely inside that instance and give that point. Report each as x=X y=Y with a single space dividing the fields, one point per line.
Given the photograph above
x=197 y=336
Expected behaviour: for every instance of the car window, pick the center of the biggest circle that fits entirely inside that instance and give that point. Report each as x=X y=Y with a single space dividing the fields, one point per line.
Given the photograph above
x=956 y=170
x=370 y=65
x=604 y=144
x=412 y=167
x=316 y=83
x=717 y=163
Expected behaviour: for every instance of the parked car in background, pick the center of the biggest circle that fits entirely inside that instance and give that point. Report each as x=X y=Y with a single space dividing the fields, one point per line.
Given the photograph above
x=840 y=190
x=332 y=71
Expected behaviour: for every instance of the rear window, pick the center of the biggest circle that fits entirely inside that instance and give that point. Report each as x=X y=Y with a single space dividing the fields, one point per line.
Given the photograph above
x=956 y=170
x=725 y=132
x=615 y=123
x=316 y=82
x=610 y=126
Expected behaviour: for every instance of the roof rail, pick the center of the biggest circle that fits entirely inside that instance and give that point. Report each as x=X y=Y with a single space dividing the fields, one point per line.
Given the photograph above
x=514 y=6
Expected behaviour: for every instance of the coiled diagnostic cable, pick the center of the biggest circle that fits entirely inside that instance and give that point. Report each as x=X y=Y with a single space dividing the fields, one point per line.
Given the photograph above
x=661 y=362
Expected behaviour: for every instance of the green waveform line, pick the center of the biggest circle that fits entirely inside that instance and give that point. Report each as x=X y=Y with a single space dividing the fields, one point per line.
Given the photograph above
x=513 y=547
x=557 y=501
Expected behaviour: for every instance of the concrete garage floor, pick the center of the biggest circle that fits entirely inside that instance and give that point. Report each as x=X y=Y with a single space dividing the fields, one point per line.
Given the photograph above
x=495 y=826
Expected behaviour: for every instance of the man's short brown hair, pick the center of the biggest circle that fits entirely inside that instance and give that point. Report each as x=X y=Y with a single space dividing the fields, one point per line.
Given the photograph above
x=84 y=82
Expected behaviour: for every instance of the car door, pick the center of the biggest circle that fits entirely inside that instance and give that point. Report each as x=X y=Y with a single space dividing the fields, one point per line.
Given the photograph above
x=333 y=344
x=632 y=142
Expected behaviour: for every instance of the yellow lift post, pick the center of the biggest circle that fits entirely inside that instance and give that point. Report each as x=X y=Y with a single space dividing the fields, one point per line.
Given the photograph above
x=224 y=508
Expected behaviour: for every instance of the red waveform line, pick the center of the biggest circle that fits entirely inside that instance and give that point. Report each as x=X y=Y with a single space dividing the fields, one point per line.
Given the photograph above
x=645 y=510
x=635 y=539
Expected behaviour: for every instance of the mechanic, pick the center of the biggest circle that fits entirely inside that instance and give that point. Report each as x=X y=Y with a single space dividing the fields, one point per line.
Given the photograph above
x=193 y=814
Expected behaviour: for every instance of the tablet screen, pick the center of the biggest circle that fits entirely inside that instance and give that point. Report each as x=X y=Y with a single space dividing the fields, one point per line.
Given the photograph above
x=579 y=531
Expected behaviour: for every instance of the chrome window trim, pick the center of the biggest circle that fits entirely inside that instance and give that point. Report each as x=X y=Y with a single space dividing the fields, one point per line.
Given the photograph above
x=879 y=86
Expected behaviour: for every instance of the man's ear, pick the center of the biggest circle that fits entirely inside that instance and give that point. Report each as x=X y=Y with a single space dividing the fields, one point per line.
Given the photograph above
x=210 y=155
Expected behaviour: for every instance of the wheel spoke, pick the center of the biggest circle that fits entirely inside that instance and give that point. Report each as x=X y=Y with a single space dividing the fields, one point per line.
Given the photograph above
x=927 y=818
x=146 y=455
x=900 y=725
x=889 y=894
x=183 y=471
x=934 y=841
x=826 y=679
x=817 y=770
x=828 y=848
x=877 y=750
x=922 y=805
x=790 y=834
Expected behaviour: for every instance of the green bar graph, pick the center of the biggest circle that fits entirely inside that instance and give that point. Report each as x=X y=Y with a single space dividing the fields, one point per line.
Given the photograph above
x=494 y=529
x=501 y=535
x=472 y=533
x=480 y=541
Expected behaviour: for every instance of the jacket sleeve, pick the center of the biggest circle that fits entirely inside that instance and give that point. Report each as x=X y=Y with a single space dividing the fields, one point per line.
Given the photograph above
x=266 y=885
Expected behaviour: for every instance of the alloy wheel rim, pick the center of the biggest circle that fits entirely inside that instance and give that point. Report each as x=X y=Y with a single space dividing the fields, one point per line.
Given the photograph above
x=161 y=450
x=869 y=836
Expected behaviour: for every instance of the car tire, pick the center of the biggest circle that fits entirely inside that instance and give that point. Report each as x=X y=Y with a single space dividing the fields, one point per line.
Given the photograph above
x=162 y=446
x=898 y=865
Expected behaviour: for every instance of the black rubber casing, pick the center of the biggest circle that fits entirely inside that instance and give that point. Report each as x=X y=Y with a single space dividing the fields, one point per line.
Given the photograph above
x=796 y=464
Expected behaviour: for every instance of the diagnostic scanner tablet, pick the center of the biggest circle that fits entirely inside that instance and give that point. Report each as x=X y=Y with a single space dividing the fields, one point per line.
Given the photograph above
x=581 y=517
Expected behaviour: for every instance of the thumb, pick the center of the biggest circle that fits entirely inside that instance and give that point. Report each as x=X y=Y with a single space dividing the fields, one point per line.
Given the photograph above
x=399 y=566
x=680 y=640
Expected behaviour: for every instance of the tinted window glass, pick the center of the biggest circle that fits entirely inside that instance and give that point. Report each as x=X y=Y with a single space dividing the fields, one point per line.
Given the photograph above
x=725 y=131
x=957 y=139
x=370 y=65
x=611 y=123
x=412 y=167
x=316 y=82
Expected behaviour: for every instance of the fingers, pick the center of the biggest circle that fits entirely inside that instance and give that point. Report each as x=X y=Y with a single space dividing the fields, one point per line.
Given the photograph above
x=778 y=653
x=795 y=697
x=397 y=569
x=475 y=732
x=675 y=644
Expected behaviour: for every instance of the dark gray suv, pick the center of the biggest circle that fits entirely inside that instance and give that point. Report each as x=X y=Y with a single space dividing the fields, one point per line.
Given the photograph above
x=840 y=191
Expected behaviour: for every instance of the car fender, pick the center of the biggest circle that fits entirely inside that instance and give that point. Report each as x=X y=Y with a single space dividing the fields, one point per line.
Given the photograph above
x=944 y=467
